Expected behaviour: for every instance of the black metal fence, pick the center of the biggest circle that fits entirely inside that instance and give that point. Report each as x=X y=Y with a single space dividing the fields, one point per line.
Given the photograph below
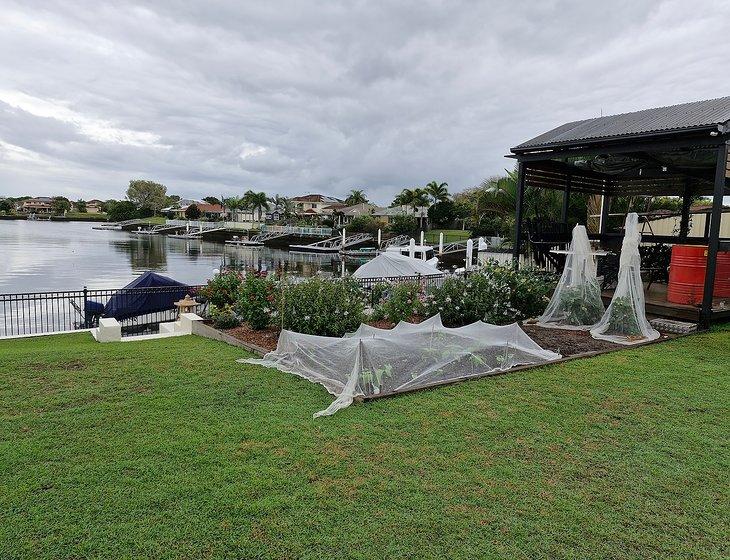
x=136 y=309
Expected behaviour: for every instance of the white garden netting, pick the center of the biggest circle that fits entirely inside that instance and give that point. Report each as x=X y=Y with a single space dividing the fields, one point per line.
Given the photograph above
x=576 y=302
x=374 y=361
x=625 y=319
x=391 y=265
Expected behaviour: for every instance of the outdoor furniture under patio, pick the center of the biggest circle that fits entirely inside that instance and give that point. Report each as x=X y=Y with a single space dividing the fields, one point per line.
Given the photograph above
x=680 y=150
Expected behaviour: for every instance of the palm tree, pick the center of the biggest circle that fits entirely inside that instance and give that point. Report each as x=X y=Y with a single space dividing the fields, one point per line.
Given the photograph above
x=437 y=192
x=257 y=202
x=411 y=197
x=356 y=196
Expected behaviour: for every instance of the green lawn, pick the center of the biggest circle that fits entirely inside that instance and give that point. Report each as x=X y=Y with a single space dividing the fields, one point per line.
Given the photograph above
x=170 y=449
x=450 y=235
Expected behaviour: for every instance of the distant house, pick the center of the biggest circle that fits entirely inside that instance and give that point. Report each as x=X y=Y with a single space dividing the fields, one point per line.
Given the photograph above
x=94 y=206
x=38 y=205
x=388 y=214
x=666 y=222
x=315 y=204
x=207 y=211
x=345 y=214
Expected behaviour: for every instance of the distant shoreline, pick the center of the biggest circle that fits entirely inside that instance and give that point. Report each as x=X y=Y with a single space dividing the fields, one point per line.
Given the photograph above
x=90 y=218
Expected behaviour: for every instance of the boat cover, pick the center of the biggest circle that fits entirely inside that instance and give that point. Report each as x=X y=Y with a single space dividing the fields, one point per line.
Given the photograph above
x=126 y=303
x=391 y=265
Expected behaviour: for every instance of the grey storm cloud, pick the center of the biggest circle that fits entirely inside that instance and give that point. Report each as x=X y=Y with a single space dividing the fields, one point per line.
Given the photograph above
x=295 y=97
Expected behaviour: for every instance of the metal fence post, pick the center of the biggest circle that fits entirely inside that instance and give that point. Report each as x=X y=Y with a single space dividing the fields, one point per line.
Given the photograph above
x=83 y=309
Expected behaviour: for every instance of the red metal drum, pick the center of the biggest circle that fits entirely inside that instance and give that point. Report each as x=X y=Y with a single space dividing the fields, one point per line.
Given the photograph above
x=687 y=274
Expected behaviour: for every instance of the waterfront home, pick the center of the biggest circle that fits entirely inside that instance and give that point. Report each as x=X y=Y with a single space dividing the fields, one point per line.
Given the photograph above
x=94 y=206
x=387 y=215
x=38 y=205
x=345 y=215
x=315 y=204
x=207 y=211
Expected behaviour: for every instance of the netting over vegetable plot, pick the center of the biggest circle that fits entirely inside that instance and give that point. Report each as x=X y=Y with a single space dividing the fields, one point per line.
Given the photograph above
x=625 y=319
x=374 y=361
x=576 y=302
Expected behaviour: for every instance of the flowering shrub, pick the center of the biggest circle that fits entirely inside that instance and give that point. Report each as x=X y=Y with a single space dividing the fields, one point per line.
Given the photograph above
x=257 y=300
x=322 y=307
x=222 y=289
x=401 y=302
x=223 y=317
x=496 y=294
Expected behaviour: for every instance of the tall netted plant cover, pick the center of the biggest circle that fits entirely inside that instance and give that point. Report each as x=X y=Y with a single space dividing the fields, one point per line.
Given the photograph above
x=374 y=361
x=576 y=301
x=625 y=319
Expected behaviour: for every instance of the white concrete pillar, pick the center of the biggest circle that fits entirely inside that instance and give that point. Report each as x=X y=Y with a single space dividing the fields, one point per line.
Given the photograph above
x=380 y=233
x=469 y=253
x=422 y=237
x=441 y=242
x=344 y=236
x=412 y=248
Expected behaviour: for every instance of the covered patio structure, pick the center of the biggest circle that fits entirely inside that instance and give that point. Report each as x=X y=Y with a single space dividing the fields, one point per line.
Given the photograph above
x=681 y=150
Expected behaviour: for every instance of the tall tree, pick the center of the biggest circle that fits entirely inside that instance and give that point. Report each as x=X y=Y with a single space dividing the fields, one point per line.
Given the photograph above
x=60 y=205
x=411 y=197
x=257 y=202
x=80 y=206
x=147 y=194
x=356 y=196
x=437 y=191
x=211 y=200
x=192 y=212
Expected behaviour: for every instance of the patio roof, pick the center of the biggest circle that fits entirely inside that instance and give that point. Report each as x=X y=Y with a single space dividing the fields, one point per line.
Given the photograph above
x=711 y=114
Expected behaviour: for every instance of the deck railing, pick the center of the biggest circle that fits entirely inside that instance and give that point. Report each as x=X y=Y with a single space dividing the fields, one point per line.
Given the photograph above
x=35 y=313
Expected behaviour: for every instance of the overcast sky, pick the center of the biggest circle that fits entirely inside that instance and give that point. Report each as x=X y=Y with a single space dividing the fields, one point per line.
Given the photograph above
x=290 y=99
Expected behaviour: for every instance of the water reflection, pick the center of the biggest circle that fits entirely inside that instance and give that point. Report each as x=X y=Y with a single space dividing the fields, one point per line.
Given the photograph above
x=43 y=256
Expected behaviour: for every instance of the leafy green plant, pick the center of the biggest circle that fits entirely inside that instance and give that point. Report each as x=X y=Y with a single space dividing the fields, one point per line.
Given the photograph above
x=223 y=317
x=622 y=318
x=324 y=307
x=257 y=300
x=222 y=289
x=496 y=294
x=582 y=305
x=401 y=302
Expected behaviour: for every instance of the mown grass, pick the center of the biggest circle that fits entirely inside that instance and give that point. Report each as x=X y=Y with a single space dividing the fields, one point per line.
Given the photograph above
x=450 y=235
x=170 y=449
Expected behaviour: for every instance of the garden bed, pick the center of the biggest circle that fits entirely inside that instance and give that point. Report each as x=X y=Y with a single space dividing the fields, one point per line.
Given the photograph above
x=565 y=342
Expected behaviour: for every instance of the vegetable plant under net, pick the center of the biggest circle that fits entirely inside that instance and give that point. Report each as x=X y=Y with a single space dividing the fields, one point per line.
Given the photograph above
x=625 y=319
x=374 y=361
x=576 y=302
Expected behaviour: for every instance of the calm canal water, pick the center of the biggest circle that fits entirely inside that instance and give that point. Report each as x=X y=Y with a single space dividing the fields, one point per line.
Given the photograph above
x=49 y=256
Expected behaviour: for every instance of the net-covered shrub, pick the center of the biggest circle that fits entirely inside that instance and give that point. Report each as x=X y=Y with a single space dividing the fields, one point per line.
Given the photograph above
x=623 y=321
x=222 y=289
x=322 y=306
x=257 y=300
x=400 y=302
x=496 y=294
x=581 y=305
x=224 y=317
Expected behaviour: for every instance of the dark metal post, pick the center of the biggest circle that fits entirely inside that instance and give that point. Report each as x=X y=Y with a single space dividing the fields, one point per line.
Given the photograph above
x=566 y=200
x=518 y=213
x=714 y=241
x=86 y=315
x=684 y=220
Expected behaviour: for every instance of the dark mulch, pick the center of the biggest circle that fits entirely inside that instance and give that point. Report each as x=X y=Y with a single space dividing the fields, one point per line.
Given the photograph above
x=567 y=342
x=266 y=338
